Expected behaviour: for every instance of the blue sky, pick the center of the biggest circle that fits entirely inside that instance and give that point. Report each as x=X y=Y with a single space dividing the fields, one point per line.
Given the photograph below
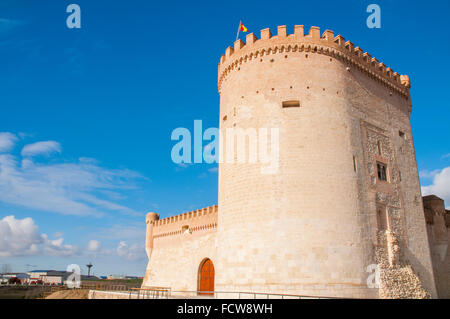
x=87 y=113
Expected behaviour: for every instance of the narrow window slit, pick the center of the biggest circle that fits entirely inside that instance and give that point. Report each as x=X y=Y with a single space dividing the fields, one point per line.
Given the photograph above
x=291 y=103
x=382 y=172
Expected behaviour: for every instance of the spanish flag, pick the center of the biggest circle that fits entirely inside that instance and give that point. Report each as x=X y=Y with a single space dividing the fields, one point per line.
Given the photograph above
x=242 y=27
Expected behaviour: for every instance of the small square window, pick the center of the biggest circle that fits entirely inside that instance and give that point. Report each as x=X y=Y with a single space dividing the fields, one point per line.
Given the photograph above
x=382 y=171
x=292 y=103
x=401 y=134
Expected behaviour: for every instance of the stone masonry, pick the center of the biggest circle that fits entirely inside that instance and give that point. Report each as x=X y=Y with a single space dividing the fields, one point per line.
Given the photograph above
x=347 y=171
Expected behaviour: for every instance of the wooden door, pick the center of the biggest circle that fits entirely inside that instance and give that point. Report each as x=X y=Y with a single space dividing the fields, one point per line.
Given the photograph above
x=207 y=278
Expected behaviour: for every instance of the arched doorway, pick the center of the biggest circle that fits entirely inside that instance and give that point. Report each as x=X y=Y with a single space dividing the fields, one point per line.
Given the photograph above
x=206 y=277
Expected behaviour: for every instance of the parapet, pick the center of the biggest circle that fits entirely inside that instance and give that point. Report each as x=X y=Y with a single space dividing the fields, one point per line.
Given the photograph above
x=433 y=205
x=151 y=217
x=200 y=219
x=327 y=44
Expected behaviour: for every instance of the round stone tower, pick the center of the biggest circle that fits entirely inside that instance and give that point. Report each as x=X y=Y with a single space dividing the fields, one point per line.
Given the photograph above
x=309 y=226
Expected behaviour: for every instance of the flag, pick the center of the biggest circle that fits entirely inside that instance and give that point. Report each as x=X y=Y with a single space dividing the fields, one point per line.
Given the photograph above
x=242 y=28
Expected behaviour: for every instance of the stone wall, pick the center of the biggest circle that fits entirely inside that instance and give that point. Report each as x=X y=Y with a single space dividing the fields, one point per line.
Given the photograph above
x=397 y=279
x=179 y=245
x=438 y=228
x=311 y=228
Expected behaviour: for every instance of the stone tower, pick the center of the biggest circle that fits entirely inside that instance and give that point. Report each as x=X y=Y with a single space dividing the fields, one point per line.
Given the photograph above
x=347 y=170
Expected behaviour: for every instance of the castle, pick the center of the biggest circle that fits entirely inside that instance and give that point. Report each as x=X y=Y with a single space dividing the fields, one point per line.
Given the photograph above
x=346 y=195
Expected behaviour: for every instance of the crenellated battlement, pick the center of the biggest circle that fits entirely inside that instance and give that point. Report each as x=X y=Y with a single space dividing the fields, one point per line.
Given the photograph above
x=186 y=216
x=200 y=219
x=337 y=116
x=327 y=44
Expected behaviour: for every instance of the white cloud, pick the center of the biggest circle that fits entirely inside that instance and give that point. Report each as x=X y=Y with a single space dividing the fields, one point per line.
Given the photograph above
x=94 y=249
x=446 y=156
x=41 y=148
x=57 y=248
x=440 y=186
x=133 y=252
x=7 y=141
x=21 y=237
x=428 y=174
x=94 y=246
x=66 y=188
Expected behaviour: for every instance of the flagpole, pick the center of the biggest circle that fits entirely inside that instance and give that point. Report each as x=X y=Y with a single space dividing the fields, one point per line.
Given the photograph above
x=239 y=29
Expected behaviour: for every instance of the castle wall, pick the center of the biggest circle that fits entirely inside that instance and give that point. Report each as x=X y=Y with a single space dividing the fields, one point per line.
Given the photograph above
x=384 y=118
x=177 y=245
x=311 y=228
x=438 y=228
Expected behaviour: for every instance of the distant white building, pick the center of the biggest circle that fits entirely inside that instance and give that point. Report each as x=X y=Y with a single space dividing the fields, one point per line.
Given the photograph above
x=35 y=275
x=24 y=278
x=112 y=277
x=53 y=277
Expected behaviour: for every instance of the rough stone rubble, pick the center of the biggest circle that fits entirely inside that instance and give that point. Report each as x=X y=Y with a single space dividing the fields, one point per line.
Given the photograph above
x=397 y=279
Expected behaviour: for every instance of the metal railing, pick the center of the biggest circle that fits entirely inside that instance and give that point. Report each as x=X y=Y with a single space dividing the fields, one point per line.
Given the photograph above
x=105 y=287
x=168 y=293
x=150 y=293
x=241 y=295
